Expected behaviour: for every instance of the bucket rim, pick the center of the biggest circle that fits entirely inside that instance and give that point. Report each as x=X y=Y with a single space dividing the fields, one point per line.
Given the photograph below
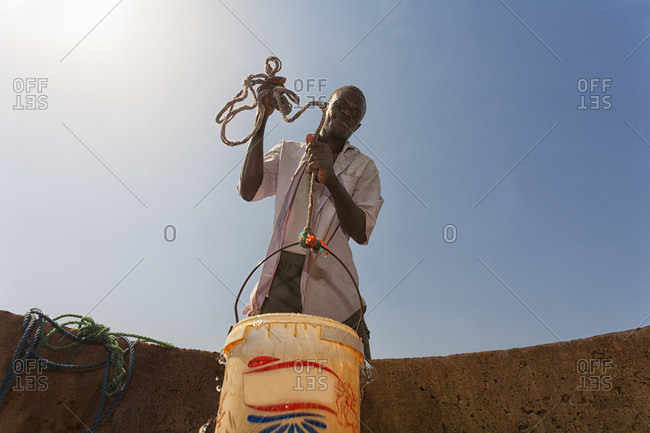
x=331 y=330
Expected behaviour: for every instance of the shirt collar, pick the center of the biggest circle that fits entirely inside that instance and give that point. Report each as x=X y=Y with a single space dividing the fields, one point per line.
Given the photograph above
x=347 y=146
x=344 y=158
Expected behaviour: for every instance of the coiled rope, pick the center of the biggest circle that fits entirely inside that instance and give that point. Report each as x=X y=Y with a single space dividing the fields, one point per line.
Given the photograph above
x=281 y=97
x=88 y=332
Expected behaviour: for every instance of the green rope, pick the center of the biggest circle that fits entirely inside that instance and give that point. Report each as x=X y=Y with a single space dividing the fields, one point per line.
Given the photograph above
x=90 y=332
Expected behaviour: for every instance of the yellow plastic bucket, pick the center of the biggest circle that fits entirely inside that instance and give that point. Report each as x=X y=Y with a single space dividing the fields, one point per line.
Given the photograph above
x=290 y=373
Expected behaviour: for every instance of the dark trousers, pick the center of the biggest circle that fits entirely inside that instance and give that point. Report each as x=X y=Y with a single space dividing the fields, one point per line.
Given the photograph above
x=284 y=295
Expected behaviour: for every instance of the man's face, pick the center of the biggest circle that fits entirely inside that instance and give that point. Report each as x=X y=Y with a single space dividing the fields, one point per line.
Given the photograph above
x=344 y=114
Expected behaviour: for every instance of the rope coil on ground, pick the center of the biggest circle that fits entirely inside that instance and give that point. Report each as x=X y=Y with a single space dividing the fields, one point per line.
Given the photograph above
x=88 y=332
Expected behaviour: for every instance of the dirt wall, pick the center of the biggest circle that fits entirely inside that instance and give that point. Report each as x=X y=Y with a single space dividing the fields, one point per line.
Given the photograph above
x=597 y=384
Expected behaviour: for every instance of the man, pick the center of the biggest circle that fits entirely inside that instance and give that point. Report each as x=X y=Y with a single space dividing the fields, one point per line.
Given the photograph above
x=347 y=201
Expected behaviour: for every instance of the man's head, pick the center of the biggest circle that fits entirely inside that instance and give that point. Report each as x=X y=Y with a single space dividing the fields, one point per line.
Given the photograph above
x=345 y=110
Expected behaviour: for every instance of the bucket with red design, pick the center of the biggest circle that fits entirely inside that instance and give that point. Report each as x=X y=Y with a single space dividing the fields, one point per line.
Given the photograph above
x=291 y=373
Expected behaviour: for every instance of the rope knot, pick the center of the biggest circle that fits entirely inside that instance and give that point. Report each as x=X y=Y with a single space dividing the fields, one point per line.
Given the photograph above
x=88 y=332
x=283 y=100
x=307 y=239
x=95 y=333
x=272 y=66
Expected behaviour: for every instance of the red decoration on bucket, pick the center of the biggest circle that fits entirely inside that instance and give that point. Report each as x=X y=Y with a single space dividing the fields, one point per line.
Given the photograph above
x=261 y=360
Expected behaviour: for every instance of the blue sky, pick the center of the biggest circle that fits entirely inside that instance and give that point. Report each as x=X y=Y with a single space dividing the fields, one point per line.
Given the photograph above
x=472 y=120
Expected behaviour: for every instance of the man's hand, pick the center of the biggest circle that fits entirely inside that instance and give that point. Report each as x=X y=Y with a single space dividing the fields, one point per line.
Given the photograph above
x=265 y=94
x=321 y=160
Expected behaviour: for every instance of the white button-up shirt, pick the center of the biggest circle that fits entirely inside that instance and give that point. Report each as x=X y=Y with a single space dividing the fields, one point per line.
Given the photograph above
x=326 y=288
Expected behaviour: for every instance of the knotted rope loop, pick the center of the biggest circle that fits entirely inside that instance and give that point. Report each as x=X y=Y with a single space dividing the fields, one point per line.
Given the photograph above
x=283 y=100
x=272 y=66
x=308 y=240
x=88 y=332
x=229 y=111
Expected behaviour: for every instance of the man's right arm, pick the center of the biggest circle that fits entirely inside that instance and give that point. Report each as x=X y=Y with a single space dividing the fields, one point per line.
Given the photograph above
x=252 y=170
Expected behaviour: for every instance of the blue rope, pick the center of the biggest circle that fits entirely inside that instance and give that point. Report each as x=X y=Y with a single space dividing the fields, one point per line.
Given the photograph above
x=35 y=319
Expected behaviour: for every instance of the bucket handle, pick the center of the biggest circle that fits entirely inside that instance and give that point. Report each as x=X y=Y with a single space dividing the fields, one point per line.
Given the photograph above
x=356 y=286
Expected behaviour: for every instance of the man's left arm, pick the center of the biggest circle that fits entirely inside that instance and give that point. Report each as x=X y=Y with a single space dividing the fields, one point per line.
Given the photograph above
x=351 y=216
x=356 y=214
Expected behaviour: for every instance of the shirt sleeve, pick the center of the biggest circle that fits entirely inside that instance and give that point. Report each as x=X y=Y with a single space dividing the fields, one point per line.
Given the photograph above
x=269 y=180
x=367 y=195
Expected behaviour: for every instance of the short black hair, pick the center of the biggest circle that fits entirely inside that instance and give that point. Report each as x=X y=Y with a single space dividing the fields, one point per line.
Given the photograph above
x=354 y=89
